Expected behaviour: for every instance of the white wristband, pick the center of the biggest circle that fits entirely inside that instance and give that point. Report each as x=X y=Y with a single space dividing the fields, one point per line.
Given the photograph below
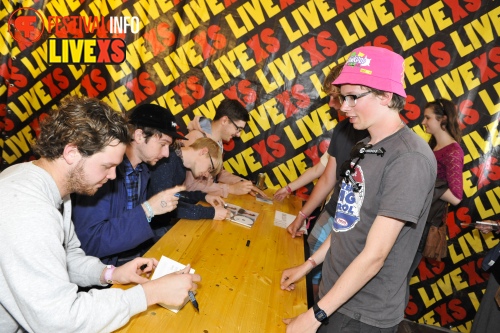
x=151 y=213
x=109 y=274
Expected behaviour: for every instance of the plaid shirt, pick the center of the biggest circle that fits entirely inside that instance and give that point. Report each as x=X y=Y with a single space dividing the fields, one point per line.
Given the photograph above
x=132 y=183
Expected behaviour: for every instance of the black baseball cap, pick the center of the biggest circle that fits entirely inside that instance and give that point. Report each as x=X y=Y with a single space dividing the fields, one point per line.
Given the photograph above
x=157 y=117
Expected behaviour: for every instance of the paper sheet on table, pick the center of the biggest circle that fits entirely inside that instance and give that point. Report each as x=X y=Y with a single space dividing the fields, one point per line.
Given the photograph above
x=283 y=220
x=167 y=266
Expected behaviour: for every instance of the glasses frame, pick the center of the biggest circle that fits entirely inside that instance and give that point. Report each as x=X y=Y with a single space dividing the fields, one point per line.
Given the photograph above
x=351 y=99
x=212 y=162
x=239 y=129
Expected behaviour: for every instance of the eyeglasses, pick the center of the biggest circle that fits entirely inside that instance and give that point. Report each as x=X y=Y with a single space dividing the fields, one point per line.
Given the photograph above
x=212 y=169
x=239 y=129
x=348 y=169
x=351 y=99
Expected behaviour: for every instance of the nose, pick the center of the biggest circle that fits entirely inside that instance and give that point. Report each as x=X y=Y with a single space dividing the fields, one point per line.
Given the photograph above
x=238 y=134
x=112 y=173
x=344 y=107
x=166 y=151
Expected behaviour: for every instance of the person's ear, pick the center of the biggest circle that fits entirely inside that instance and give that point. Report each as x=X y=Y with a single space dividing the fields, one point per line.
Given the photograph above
x=138 y=135
x=444 y=121
x=71 y=154
x=385 y=98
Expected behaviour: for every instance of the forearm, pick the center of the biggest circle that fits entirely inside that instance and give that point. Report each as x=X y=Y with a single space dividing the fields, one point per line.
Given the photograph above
x=450 y=198
x=194 y=212
x=308 y=176
x=318 y=195
x=320 y=254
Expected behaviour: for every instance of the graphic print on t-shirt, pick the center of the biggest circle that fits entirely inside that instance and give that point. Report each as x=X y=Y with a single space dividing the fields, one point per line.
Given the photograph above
x=349 y=203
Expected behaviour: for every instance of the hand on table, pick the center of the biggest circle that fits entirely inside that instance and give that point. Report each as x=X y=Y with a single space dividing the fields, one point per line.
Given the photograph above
x=131 y=272
x=220 y=213
x=241 y=187
x=305 y=322
x=255 y=190
x=294 y=227
x=214 y=200
x=281 y=194
x=292 y=275
x=171 y=289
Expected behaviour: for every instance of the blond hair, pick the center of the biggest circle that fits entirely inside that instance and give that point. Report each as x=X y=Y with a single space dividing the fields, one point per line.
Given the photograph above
x=214 y=150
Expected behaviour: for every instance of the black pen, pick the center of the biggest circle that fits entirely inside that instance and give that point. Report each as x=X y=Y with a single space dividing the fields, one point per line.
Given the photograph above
x=143 y=267
x=180 y=196
x=193 y=300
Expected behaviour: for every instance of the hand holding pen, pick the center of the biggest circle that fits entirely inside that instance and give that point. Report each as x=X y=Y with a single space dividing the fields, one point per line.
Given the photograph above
x=171 y=289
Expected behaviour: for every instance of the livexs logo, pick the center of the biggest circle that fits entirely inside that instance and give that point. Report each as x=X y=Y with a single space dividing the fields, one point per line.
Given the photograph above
x=67 y=36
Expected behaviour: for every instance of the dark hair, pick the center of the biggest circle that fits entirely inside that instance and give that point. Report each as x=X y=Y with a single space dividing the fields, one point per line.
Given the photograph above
x=397 y=102
x=447 y=114
x=334 y=73
x=232 y=109
x=87 y=123
x=148 y=132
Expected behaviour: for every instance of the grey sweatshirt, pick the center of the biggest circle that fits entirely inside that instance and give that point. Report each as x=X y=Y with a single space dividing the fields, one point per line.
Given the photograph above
x=41 y=263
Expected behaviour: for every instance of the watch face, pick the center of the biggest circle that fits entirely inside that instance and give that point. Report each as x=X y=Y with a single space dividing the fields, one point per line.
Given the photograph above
x=321 y=315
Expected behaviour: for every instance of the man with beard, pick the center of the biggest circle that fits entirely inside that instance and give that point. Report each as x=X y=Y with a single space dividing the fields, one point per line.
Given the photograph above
x=171 y=171
x=230 y=119
x=114 y=224
x=41 y=262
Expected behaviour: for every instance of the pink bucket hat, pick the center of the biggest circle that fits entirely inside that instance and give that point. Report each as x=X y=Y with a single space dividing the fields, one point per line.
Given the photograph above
x=374 y=67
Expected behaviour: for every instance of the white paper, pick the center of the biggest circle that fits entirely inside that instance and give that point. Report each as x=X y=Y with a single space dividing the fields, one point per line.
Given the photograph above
x=167 y=266
x=283 y=220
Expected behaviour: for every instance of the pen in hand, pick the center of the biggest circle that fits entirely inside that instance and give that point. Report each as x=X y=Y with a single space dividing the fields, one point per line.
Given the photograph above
x=143 y=267
x=193 y=300
x=180 y=196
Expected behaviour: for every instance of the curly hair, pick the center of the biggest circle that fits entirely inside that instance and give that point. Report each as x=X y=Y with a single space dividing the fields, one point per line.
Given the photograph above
x=447 y=114
x=214 y=150
x=87 y=123
x=327 y=83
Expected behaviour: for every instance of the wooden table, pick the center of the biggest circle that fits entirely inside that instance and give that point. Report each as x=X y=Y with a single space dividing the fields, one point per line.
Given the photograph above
x=240 y=287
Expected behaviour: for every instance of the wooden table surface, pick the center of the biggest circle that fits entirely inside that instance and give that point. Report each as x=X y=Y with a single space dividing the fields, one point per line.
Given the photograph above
x=240 y=287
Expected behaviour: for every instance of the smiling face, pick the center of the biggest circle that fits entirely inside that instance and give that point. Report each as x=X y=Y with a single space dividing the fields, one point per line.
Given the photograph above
x=90 y=173
x=431 y=123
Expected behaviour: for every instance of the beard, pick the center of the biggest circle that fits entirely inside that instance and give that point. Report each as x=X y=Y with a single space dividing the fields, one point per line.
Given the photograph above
x=77 y=182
